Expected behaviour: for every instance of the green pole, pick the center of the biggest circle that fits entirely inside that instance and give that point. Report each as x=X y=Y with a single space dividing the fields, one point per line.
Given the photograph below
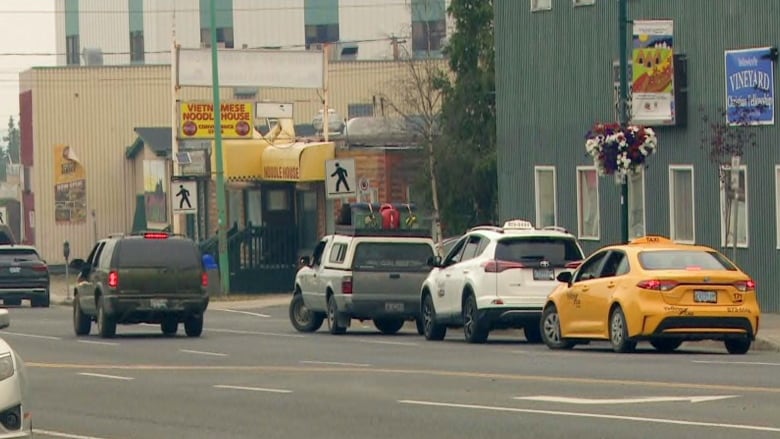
x=623 y=47
x=224 y=268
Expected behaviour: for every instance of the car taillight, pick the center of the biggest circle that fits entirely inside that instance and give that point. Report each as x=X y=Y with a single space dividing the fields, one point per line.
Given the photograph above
x=573 y=264
x=346 y=285
x=745 y=285
x=497 y=266
x=40 y=267
x=657 y=285
x=113 y=279
x=155 y=235
x=204 y=279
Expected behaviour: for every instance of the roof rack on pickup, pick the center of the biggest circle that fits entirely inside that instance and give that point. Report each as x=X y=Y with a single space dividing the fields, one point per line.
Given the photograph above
x=363 y=231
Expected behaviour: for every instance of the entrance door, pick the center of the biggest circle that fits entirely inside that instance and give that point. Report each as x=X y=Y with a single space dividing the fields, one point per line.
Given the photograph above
x=307 y=221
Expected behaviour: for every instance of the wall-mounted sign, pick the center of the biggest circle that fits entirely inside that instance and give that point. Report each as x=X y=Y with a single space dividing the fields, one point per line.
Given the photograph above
x=196 y=120
x=750 y=89
x=652 y=85
x=70 y=187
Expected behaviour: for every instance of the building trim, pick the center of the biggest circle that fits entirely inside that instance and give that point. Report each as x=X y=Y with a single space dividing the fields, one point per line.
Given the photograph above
x=537 y=199
x=672 y=169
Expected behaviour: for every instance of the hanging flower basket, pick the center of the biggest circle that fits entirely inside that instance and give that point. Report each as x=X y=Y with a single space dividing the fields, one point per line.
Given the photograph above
x=620 y=151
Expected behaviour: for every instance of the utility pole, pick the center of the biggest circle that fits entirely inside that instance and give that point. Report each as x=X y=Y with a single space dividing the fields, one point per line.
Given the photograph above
x=623 y=106
x=325 y=98
x=175 y=217
x=224 y=269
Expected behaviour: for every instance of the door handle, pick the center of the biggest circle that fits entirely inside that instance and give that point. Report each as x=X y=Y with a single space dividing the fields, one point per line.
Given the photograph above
x=395 y=276
x=314 y=275
x=465 y=272
x=585 y=289
x=611 y=285
x=447 y=275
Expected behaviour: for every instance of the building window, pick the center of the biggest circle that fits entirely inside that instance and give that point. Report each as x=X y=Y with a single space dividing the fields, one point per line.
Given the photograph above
x=681 y=207
x=636 y=205
x=546 y=203
x=137 y=47
x=321 y=33
x=72 y=50
x=583 y=2
x=360 y=110
x=777 y=204
x=224 y=37
x=427 y=36
x=541 y=5
x=734 y=211
x=588 y=221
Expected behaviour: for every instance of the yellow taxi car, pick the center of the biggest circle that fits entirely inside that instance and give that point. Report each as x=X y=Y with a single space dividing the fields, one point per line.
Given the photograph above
x=656 y=290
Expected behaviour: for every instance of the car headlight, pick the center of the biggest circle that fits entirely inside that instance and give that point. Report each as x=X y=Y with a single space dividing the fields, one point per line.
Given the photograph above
x=6 y=366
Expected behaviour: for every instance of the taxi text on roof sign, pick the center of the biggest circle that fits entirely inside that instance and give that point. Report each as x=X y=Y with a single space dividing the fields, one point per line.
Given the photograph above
x=652 y=240
x=518 y=224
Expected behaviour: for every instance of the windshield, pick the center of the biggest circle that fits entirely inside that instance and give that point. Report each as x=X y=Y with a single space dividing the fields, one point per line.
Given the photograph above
x=382 y=256
x=684 y=260
x=533 y=249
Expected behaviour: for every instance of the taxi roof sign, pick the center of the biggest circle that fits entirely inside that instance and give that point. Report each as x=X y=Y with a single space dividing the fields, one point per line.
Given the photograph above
x=651 y=239
x=518 y=224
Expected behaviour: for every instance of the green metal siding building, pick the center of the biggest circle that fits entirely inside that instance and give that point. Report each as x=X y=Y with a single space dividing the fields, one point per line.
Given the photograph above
x=555 y=79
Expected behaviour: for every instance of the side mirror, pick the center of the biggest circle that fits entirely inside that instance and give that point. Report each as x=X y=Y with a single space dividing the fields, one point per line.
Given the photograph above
x=77 y=264
x=565 y=277
x=305 y=261
x=434 y=261
x=5 y=319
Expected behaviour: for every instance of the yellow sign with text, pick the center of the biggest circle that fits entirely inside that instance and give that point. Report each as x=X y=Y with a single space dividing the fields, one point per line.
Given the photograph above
x=196 y=120
x=70 y=184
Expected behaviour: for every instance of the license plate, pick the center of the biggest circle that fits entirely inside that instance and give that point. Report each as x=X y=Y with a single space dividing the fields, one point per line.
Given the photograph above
x=394 y=307
x=158 y=303
x=705 y=296
x=544 y=274
x=15 y=269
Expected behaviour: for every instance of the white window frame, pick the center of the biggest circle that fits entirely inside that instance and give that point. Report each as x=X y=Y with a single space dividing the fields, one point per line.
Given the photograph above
x=722 y=197
x=777 y=204
x=581 y=169
x=644 y=204
x=541 y=5
x=672 y=169
x=576 y=3
x=537 y=171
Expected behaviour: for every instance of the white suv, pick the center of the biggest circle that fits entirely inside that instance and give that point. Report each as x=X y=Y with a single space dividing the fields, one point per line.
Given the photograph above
x=496 y=278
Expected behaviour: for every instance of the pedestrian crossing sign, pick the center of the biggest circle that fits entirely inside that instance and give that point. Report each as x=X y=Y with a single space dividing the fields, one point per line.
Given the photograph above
x=184 y=197
x=340 y=181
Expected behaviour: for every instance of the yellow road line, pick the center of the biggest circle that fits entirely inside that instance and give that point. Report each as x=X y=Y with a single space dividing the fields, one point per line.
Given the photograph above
x=420 y=372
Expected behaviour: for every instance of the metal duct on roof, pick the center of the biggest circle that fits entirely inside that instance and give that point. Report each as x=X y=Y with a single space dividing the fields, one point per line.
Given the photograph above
x=380 y=131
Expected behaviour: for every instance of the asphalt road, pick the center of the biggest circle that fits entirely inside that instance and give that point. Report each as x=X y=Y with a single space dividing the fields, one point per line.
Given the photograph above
x=252 y=376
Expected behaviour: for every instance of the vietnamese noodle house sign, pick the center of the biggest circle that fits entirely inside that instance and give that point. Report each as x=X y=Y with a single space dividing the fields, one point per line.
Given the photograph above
x=750 y=90
x=196 y=120
x=652 y=85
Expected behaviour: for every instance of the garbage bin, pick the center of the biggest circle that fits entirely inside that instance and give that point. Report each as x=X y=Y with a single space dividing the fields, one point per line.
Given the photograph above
x=212 y=270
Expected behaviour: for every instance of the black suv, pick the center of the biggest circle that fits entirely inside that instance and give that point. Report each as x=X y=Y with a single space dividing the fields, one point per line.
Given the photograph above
x=152 y=277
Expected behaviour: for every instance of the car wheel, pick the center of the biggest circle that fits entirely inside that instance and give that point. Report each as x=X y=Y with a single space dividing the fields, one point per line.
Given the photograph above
x=302 y=318
x=193 y=326
x=533 y=333
x=106 y=324
x=389 y=326
x=618 y=332
x=473 y=328
x=550 y=329
x=169 y=326
x=82 y=323
x=666 y=344
x=41 y=302
x=431 y=329
x=333 y=321
x=737 y=346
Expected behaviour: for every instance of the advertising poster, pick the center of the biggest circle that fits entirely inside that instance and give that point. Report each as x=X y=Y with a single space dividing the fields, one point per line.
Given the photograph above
x=750 y=90
x=70 y=187
x=196 y=120
x=155 y=196
x=652 y=82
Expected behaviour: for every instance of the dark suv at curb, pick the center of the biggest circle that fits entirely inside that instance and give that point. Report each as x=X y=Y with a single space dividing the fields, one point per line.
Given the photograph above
x=152 y=277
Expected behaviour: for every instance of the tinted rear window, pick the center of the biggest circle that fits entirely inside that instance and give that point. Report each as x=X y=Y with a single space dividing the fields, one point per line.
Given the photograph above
x=176 y=253
x=530 y=250
x=684 y=260
x=384 y=256
x=17 y=254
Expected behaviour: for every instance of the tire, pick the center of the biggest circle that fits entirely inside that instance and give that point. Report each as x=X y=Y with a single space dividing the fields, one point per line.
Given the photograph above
x=193 y=326
x=169 y=326
x=737 y=346
x=303 y=319
x=474 y=330
x=431 y=329
x=533 y=333
x=333 y=321
x=389 y=326
x=666 y=345
x=82 y=323
x=106 y=324
x=41 y=302
x=550 y=329
x=618 y=332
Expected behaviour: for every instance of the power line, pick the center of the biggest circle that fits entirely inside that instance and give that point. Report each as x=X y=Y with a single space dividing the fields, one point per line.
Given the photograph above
x=406 y=3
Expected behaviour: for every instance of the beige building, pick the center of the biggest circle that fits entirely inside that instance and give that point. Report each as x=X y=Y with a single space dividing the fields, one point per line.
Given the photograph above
x=85 y=161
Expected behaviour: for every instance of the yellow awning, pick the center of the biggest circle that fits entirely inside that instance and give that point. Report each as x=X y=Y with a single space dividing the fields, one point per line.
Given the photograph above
x=241 y=159
x=297 y=161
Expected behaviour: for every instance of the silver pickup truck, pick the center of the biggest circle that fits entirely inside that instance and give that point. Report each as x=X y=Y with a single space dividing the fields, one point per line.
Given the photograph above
x=365 y=275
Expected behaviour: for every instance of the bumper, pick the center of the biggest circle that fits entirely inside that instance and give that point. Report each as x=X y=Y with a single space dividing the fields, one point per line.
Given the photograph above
x=378 y=308
x=138 y=309
x=26 y=292
x=715 y=327
x=510 y=317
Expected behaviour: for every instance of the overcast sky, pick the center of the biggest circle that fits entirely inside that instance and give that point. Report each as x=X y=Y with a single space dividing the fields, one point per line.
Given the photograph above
x=26 y=27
